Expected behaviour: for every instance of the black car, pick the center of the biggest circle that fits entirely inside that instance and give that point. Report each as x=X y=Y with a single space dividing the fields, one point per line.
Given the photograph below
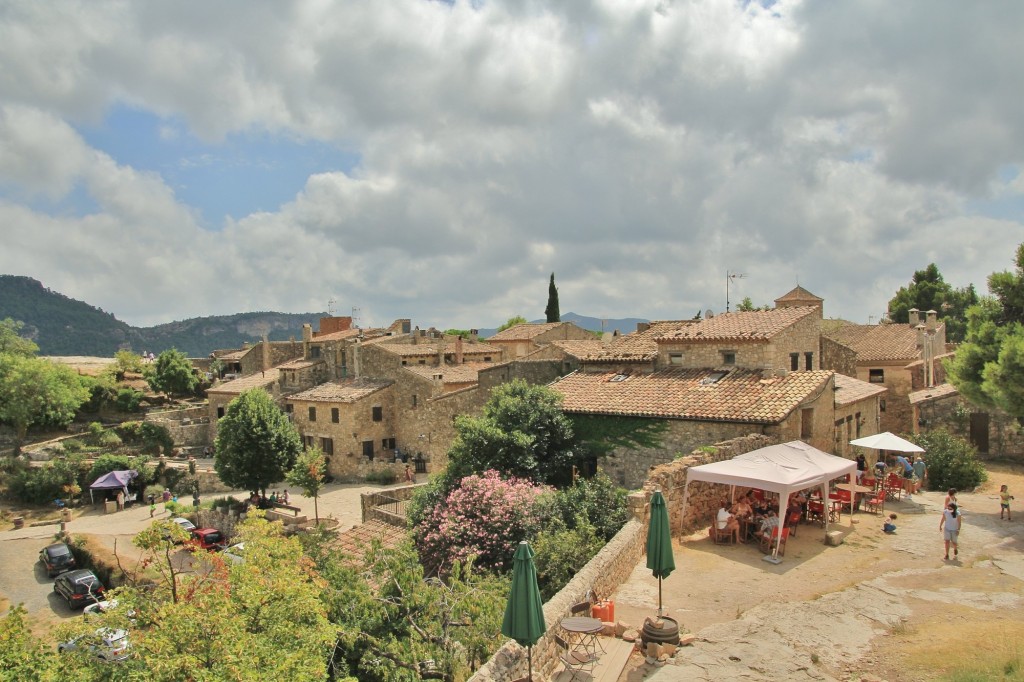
x=79 y=588
x=56 y=558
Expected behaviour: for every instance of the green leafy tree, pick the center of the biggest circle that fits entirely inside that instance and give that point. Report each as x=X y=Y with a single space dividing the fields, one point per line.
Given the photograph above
x=511 y=322
x=747 y=305
x=522 y=433
x=551 y=311
x=561 y=552
x=989 y=366
x=308 y=475
x=12 y=342
x=256 y=443
x=172 y=373
x=598 y=501
x=126 y=361
x=37 y=392
x=23 y=656
x=929 y=291
x=952 y=461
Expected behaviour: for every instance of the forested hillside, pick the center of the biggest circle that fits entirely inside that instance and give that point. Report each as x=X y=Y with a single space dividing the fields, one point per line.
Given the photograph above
x=64 y=326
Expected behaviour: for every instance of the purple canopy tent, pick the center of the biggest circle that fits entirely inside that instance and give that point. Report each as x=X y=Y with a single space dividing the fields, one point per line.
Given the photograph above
x=115 y=480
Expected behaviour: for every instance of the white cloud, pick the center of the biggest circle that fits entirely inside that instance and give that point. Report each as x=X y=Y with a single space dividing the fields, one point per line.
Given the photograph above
x=638 y=150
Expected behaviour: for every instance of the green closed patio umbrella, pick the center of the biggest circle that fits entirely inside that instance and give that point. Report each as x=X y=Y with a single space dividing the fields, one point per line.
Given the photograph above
x=524 y=613
x=660 y=559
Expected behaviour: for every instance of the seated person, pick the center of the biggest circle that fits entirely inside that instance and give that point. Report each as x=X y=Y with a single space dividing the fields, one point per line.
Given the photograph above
x=769 y=523
x=742 y=509
x=726 y=521
x=890 y=524
x=880 y=468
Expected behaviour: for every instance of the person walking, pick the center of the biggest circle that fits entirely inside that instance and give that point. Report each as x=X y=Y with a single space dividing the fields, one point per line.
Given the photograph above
x=920 y=473
x=950 y=525
x=408 y=474
x=120 y=500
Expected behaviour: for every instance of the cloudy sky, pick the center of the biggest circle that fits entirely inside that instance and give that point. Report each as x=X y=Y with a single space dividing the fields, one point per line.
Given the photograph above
x=413 y=158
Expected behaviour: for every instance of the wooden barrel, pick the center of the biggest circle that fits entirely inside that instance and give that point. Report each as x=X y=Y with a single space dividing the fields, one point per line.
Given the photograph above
x=668 y=633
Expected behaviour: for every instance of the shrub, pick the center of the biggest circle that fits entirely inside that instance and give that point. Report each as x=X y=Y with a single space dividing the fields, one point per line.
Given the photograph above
x=151 y=437
x=95 y=431
x=597 y=501
x=561 y=552
x=72 y=445
x=952 y=461
x=382 y=476
x=58 y=479
x=484 y=516
x=110 y=439
x=128 y=399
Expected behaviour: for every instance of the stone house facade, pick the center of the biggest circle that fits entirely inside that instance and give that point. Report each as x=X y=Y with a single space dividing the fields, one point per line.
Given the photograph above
x=351 y=420
x=857 y=413
x=886 y=354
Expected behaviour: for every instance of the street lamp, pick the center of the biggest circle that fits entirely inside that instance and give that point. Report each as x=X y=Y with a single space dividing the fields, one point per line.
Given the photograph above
x=729 y=276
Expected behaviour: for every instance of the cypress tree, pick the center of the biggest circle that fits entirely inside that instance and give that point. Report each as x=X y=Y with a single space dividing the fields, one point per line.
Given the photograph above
x=551 y=312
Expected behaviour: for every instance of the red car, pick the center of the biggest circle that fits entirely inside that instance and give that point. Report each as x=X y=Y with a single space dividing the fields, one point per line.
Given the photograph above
x=209 y=539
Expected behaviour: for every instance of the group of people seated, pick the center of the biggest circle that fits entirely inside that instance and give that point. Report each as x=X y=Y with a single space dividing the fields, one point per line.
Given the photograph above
x=757 y=515
x=263 y=502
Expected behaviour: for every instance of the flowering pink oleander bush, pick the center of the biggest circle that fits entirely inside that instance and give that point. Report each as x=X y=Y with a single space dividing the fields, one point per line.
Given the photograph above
x=485 y=516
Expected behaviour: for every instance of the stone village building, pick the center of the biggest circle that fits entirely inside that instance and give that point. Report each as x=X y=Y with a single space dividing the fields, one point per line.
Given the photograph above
x=377 y=391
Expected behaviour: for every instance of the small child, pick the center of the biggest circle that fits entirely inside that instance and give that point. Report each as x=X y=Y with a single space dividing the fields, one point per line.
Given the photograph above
x=890 y=524
x=1004 y=502
x=152 y=508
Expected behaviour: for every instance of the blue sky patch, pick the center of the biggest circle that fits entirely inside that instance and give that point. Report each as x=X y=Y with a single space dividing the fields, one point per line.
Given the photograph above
x=245 y=173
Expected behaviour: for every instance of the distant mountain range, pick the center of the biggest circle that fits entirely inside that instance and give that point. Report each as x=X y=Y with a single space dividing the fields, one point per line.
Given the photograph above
x=64 y=326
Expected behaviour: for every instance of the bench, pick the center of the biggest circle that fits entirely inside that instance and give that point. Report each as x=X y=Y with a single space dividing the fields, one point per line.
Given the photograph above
x=293 y=509
x=274 y=515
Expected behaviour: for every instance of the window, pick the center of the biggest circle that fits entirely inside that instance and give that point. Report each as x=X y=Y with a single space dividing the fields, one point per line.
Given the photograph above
x=808 y=361
x=487 y=358
x=335 y=415
x=415 y=399
x=807 y=423
x=728 y=357
x=312 y=414
x=378 y=413
x=423 y=362
x=289 y=408
x=388 y=443
x=876 y=376
x=675 y=358
x=404 y=363
x=368 y=449
x=308 y=441
x=314 y=352
x=220 y=412
x=858 y=422
x=794 y=361
x=327 y=445
x=881 y=405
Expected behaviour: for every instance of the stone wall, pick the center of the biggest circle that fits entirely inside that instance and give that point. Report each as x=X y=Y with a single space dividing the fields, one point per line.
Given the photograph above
x=630 y=467
x=838 y=358
x=953 y=413
x=603 y=574
x=188 y=427
x=404 y=492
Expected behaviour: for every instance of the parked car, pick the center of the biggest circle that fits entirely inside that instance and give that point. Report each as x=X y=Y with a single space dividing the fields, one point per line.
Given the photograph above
x=56 y=558
x=79 y=588
x=108 y=644
x=187 y=525
x=209 y=539
x=235 y=553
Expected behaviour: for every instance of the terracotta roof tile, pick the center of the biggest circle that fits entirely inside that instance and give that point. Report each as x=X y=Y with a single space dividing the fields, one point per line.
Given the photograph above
x=878 y=342
x=430 y=349
x=258 y=380
x=633 y=347
x=299 y=364
x=453 y=374
x=524 y=332
x=850 y=390
x=740 y=395
x=756 y=325
x=933 y=393
x=344 y=391
x=799 y=294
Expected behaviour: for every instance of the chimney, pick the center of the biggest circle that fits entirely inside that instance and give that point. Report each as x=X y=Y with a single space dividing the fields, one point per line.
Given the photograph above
x=416 y=333
x=767 y=372
x=643 y=326
x=920 y=336
x=914 y=317
x=307 y=333
x=266 y=354
x=474 y=335
x=440 y=353
x=458 y=350
x=932 y=320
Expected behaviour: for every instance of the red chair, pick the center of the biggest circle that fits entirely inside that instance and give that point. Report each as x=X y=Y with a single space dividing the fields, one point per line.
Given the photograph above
x=868 y=481
x=893 y=486
x=792 y=519
x=816 y=511
x=877 y=503
x=767 y=542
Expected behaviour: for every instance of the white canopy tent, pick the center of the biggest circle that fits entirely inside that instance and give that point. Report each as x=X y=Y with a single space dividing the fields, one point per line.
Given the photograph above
x=783 y=469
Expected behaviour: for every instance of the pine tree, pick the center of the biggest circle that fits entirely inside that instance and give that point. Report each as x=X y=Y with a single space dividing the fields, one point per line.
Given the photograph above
x=551 y=312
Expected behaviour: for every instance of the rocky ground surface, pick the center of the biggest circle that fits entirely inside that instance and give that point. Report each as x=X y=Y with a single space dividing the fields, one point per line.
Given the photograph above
x=878 y=607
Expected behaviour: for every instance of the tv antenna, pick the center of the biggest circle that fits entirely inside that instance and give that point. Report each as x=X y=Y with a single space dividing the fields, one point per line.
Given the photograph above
x=330 y=307
x=730 y=277
x=355 y=316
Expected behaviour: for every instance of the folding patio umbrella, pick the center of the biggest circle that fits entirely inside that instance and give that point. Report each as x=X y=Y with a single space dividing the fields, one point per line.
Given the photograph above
x=524 y=613
x=659 y=542
x=887 y=441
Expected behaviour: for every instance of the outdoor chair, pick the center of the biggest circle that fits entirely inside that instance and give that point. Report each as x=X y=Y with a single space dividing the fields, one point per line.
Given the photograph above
x=816 y=511
x=722 y=536
x=768 y=542
x=876 y=504
x=869 y=481
x=893 y=486
x=792 y=519
x=575 y=660
x=580 y=609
